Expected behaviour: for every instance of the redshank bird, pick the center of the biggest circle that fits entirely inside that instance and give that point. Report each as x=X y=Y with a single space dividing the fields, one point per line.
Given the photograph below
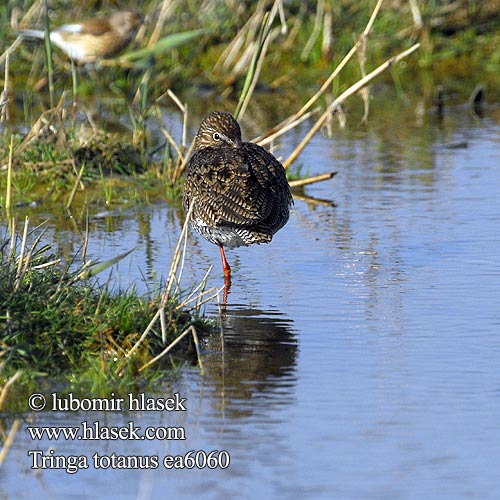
x=239 y=190
x=93 y=39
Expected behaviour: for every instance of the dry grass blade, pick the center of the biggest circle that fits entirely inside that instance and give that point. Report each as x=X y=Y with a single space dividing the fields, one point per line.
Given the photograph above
x=160 y=313
x=7 y=385
x=191 y=329
x=4 y=96
x=333 y=75
x=167 y=7
x=342 y=97
x=10 y=439
x=247 y=32
x=176 y=258
x=21 y=254
x=266 y=34
x=172 y=142
x=200 y=299
x=51 y=263
x=194 y=292
x=362 y=64
x=175 y=173
x=163 y=325
x=75 y=187
x=35 y=10
x=182 y=167
x=318 y=21
x=10 y=50
x=184 y=110
x=8 y=194
x=134 y=348
x=198 y=350
x=27 y=261
x=273 y=134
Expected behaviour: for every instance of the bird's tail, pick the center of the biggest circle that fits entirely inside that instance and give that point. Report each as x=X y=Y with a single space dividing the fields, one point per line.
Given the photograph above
x=32 y=33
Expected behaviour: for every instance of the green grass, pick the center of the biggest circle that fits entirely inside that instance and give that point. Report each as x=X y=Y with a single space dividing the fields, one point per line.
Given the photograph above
x=185 y=59
x=59 y=328
x=445 y=33
x=113 y=172
x=62 y=329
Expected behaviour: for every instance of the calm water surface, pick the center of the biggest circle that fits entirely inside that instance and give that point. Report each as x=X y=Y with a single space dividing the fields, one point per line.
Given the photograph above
x=359 y=358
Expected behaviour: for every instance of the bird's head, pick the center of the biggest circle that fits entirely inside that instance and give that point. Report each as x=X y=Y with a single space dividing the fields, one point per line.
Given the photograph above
x=125 y=22
x=218 y=129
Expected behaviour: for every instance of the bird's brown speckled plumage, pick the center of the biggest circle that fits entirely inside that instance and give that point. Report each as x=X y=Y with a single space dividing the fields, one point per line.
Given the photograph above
x=242 y=195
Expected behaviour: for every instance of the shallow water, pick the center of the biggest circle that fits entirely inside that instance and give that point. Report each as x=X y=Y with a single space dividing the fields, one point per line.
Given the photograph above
x=359 y=357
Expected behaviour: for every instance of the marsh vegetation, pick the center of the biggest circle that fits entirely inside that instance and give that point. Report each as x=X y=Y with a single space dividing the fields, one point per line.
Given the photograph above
x=80 y=140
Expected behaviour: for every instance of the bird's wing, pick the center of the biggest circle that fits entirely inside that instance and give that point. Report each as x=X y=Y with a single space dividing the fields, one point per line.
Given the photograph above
x=233 y=187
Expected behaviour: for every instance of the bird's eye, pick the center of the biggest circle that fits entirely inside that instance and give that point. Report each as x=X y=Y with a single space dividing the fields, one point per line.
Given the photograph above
x=216 y=136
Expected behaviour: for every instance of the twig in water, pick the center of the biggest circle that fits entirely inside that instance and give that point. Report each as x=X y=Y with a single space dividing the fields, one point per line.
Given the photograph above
x=312 y=180
x=310 y=200
x=191 y=329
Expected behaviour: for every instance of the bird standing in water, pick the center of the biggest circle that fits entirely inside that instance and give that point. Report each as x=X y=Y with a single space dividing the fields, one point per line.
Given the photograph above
x=239 y=190
x=93 y=39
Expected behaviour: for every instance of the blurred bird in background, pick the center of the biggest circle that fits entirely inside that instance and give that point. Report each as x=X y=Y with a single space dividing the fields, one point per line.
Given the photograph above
x=92 y=39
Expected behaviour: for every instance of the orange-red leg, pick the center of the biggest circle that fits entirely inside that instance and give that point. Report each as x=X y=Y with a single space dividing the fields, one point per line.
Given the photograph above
x=225 y=265
x=227 y=277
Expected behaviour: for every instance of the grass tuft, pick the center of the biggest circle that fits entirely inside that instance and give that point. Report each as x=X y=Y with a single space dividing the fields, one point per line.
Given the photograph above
x=76 y=332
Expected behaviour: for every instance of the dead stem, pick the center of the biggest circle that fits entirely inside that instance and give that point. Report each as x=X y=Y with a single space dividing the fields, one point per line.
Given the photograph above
x=318 y=21
x=342 y=97
x=247 y=32
x=333 y=75
x=10 y=439
x=173 y=175
x=312 y=180
x=167 y=7
x=191 y=329
x=179 y=171
x=10 y=50
x=199 y=287
x=8 y=194
x=167 y=294
x=27 y=261
x=21 y=254
x=5 y=95
x=184 y=110
x=7 y=385
x=274 y=134
x=75 y=187
x=176 y=258
x=202 y=298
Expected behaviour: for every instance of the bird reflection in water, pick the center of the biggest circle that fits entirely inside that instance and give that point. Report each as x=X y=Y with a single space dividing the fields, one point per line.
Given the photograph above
x=256 y=356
